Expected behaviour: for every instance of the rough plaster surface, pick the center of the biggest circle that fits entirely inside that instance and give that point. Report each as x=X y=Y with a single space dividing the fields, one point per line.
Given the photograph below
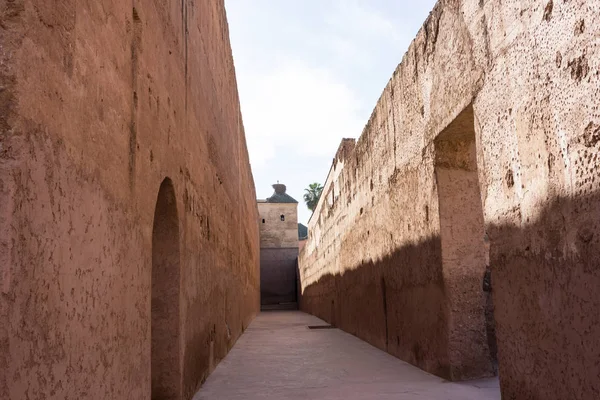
x=375 y=263
x=99 y=103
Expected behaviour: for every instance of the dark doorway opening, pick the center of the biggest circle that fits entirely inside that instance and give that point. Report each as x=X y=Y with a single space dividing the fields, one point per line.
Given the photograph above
x=165 y=362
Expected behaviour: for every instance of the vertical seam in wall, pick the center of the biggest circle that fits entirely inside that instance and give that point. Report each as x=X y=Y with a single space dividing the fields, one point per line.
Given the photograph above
x=385 y=314
x=185 y=41
x=135 y=50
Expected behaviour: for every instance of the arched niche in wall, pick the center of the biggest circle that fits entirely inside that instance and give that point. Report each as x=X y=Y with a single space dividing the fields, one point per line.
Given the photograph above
x=165 y=330
x=464 y=251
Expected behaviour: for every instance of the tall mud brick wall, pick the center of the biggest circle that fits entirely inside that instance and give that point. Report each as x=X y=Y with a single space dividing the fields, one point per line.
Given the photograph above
x=129 y=248
x=477 y=173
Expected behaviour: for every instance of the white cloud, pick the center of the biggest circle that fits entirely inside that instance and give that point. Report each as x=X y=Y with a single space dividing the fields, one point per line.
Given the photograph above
x=357 y=19
x=297 y=106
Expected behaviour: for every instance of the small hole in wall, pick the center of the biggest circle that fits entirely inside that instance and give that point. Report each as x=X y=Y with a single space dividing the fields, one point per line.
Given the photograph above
x=282 y=217
x=263 y=221
x=361 y=211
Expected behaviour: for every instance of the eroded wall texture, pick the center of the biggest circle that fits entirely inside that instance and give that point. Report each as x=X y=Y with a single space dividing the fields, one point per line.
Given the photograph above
x=103 y=103
x=480 y=155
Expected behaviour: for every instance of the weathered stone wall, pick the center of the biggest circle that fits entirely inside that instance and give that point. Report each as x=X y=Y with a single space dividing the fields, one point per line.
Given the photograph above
x=99 y=103
x=523 y=79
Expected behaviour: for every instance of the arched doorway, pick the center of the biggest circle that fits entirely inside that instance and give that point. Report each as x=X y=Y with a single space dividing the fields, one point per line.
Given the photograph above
x=165 y=365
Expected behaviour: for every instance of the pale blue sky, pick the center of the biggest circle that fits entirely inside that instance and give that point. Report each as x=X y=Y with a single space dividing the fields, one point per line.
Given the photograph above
x=309 y=73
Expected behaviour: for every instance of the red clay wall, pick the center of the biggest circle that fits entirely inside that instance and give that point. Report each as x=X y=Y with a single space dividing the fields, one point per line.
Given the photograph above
x=375 y=263
x=99 y=102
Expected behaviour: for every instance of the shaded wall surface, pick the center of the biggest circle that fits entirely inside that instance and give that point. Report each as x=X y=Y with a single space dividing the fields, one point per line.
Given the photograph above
x=100 y=102
x=278 y=275
x=382 y=260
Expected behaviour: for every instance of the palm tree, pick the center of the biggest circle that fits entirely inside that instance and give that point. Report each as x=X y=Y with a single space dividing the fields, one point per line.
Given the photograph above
x=312 y=195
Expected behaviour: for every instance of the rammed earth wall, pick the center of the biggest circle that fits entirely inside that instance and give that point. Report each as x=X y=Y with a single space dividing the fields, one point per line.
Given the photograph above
x=103 y=104
x=482 y=150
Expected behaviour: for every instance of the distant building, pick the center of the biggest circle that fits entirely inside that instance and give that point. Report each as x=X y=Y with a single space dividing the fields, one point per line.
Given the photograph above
x=278 y=221
x=302 y=235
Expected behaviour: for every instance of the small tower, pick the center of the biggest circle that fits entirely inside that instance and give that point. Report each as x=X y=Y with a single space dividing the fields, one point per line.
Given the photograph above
x=278 y=226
